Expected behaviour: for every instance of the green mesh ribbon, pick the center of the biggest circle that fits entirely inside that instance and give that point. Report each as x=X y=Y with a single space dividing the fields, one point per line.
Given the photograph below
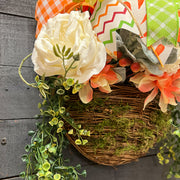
x=162 y=20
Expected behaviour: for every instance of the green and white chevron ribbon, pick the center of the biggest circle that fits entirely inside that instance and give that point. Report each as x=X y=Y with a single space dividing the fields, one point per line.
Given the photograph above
x=162 y=20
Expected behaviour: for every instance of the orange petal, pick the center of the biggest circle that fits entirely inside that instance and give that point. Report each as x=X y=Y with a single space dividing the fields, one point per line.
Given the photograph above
x=172 y=101
x=98 y=82
x=86 y=93
x=151 y=96
x=105 y=89
x=162 y=104
x=146 y=85
x=137 y=78
x=178 y=98
x=164 y=97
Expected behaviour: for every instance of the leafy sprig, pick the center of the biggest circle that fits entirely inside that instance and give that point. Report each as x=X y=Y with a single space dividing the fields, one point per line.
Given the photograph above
x=44 y=159
x=169 y=152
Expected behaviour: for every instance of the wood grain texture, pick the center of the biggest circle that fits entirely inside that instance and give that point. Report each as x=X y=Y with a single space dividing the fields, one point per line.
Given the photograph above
x=17 y=99
x=15 y=132
x=18 y=7
x=16 y=39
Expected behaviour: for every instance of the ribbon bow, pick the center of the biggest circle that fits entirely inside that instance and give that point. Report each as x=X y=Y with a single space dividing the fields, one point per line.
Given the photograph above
x=162 y=20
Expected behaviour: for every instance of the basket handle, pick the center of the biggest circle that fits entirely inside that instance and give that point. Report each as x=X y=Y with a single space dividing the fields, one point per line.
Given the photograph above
x=131 y=13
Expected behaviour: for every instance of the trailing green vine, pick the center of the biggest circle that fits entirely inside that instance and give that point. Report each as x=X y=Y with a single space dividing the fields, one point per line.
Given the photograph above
x=44 y=159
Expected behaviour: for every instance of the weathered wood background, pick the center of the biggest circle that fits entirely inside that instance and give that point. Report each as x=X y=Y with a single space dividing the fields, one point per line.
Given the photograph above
x=18 y=103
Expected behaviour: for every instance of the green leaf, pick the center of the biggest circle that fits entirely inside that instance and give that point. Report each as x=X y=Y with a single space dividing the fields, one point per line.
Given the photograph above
x=22 y=174
x=27 y=148
x=81 y=132
x=57 y=177
x=169 y=176
x=42 y=149
x=59 y=130
x=48 y=146
x=61 y=123
x=70 y=131
x=45 y=86
x=61 y=168
x=45 y=155
x=70 y=55
x=48 y=174
x=78 y=167
x=79 y=126
x=37 y=116
x=78 y=142
x=66 y=98
x=52 y=150
x=67 y=51
x=84 y=173
x=24 y=158
x=62 y=110
x=43 y=77
x=57 y=46
x=37 y=78
x=60 y=91
x=41 y=173
x=85 y=141
x=177 y=132
x=76 y=88
x=39 y=105
x=177 y=175
x=63 y=49
x=74 y=67
x=70 y=82
x=88 y=133
x=56 y=52
x=31 y=133
x=42 y=92
x=66 y=86
x=55 y=120
x=51 y=123
x=46 y=166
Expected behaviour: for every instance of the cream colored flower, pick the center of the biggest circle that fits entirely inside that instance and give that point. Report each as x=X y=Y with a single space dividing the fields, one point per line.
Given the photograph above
x=74 y=31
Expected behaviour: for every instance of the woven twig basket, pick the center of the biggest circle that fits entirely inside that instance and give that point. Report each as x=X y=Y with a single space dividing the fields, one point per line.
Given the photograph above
x=130 y=101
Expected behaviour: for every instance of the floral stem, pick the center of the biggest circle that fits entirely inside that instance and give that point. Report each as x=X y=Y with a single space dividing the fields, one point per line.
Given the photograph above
x=19 y=71
x=66 y=71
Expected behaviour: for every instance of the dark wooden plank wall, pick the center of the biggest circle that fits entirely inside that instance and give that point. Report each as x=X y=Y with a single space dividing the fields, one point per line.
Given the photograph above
x=18 y=103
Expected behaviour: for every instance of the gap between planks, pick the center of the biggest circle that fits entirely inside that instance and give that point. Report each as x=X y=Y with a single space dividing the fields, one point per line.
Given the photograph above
x=16 y=15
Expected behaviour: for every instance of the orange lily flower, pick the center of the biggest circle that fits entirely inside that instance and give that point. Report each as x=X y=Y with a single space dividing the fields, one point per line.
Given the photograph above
x=167 y=84
x=103 y=80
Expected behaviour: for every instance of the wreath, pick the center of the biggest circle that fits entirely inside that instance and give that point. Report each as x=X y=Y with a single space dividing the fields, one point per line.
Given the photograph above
x=109 y=78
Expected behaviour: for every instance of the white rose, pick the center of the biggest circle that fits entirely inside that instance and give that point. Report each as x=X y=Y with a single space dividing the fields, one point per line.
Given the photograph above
x=73 y=30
